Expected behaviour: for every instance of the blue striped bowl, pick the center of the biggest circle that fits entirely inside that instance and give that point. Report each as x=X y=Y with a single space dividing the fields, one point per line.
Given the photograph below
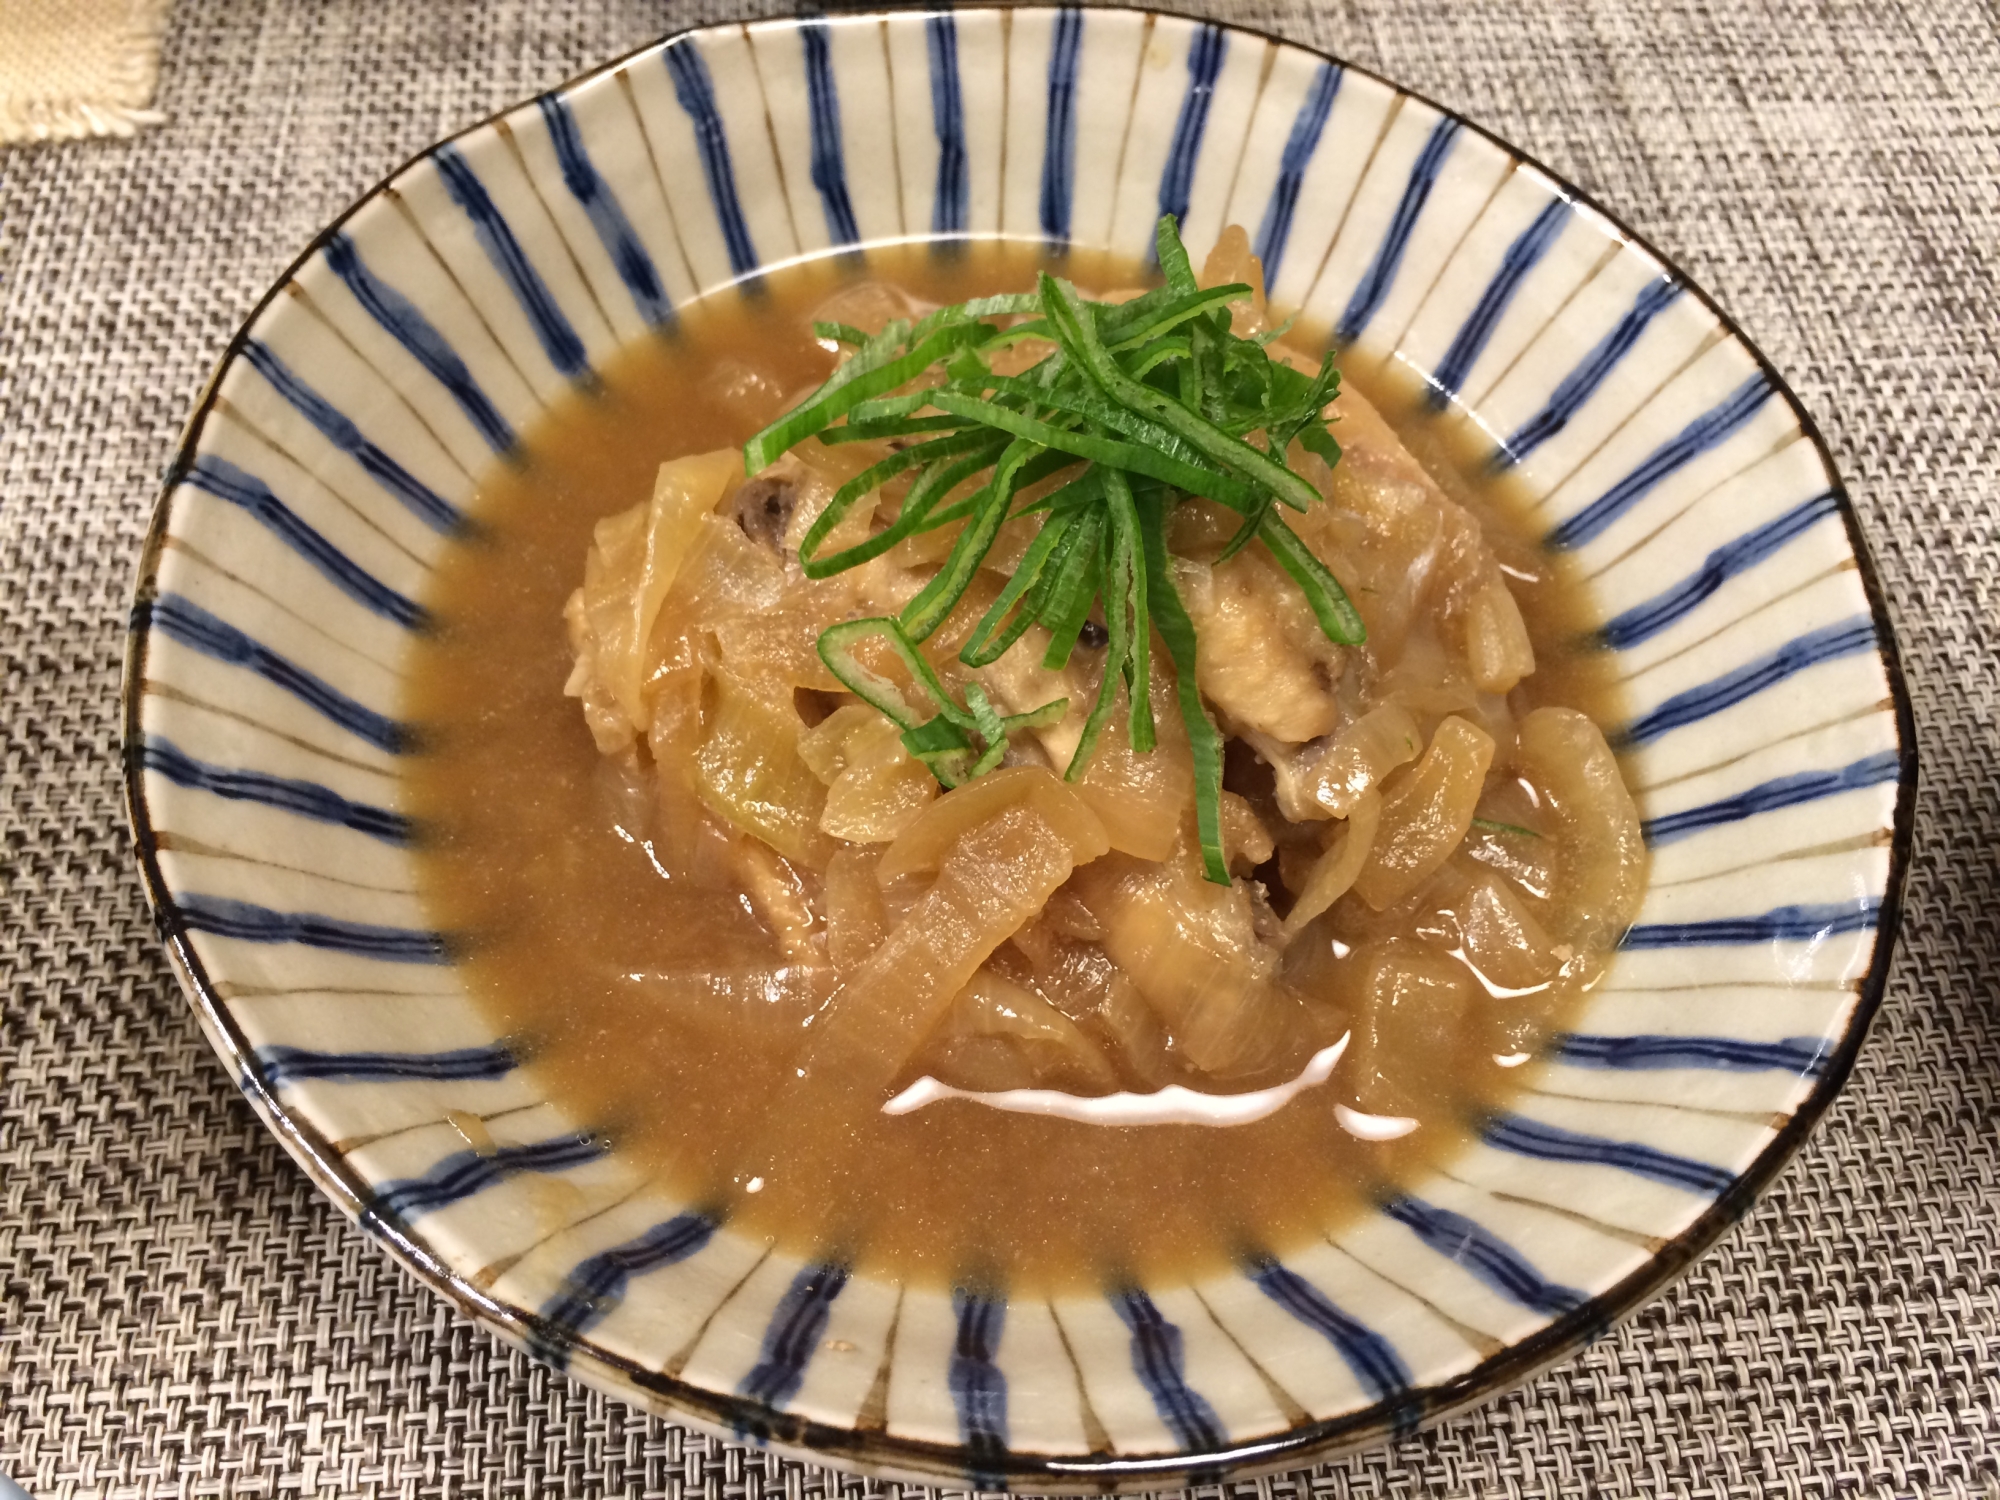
x=329 y=465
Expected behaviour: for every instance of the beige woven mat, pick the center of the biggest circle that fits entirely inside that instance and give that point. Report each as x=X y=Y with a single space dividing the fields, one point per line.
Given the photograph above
x=180 y=1315
x=71 y=68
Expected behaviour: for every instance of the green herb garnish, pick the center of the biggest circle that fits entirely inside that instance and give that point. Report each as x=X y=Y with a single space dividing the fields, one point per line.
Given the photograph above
x=1488 y=825
x=1156 y=400
x=958 y=743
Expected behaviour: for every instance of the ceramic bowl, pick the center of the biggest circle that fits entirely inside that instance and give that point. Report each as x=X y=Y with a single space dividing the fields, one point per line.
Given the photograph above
x=330 y=464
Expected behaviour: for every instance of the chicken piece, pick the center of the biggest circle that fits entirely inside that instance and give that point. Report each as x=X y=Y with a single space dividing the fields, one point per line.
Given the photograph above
x=1262 y=658
x=1018 y=682
x=1417 y=563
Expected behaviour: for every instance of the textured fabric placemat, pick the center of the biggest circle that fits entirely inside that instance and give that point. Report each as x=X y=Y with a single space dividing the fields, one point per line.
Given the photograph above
x=72 y=68
x=183 y=1316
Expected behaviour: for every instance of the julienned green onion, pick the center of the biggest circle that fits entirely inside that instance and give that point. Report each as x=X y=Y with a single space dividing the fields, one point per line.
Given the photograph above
x=1488 y=825
x=1147 y=402
x=957 y=743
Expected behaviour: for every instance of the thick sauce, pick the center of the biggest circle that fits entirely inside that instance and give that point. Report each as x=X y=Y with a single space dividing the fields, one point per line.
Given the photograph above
x=537 y=855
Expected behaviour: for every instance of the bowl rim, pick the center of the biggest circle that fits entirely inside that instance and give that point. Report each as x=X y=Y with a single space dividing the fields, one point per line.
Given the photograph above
x=738 y=1418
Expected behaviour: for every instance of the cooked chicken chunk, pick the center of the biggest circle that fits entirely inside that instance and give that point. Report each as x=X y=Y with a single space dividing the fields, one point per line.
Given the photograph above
x=1263 y=659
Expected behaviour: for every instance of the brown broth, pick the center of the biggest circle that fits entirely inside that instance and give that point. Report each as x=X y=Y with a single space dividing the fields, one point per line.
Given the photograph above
x=530 y=856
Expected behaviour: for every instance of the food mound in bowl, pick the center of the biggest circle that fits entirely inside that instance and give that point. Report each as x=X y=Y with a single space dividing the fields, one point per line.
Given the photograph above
x=1071 y=788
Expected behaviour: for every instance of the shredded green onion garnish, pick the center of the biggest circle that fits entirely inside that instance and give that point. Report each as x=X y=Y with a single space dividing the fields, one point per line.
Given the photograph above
x=1150 y=401
x=1488 y=825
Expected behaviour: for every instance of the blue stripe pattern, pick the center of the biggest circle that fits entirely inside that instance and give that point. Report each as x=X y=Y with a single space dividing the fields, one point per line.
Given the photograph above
x=399 y=318
x=1307 y=127
x=224 y=480
x=335 y=426
x=598 y=1284
x=978 y=1386
x=951 y=211
x=1795 y=1054
x=696 y=93
x=260 y=924
x=829 y=159
x=465 y=1173
x=305 y=799
x=1709 y=430
x=1591 y=371
x=1828 y=643
x=1059 y=131
x=1470 y=341
x=1644 y=621
x=185 y=621
x=1373 y=288
x=282 y=1065
x=1372 y=1358
x=1158 y=1361
x=1484 y=1254
x=793 y=1335
x=496 y=238
x=600 y=205
x=1525 y=1137
x=1205 y=55
x=1782 y=924
x=1769 y=796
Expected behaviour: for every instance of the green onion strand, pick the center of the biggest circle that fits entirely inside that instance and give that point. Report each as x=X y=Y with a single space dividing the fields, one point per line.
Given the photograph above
x=840 y=333
x=1136 y=407
x=1125 y=523
x=1080 y=342
x=1331 y=607
x=1118 y=570
x=984 y=647
x=1173 y=257
x=1175 y=313
x=1079 y=576
x=874 y=371
x=1170 y=618
x=1225 y=489
x=867 y=482
x=938 y=598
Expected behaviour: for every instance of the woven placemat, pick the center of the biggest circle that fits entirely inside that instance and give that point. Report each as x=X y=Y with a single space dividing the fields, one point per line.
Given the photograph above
x=183 y=1316
x=72 y=68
